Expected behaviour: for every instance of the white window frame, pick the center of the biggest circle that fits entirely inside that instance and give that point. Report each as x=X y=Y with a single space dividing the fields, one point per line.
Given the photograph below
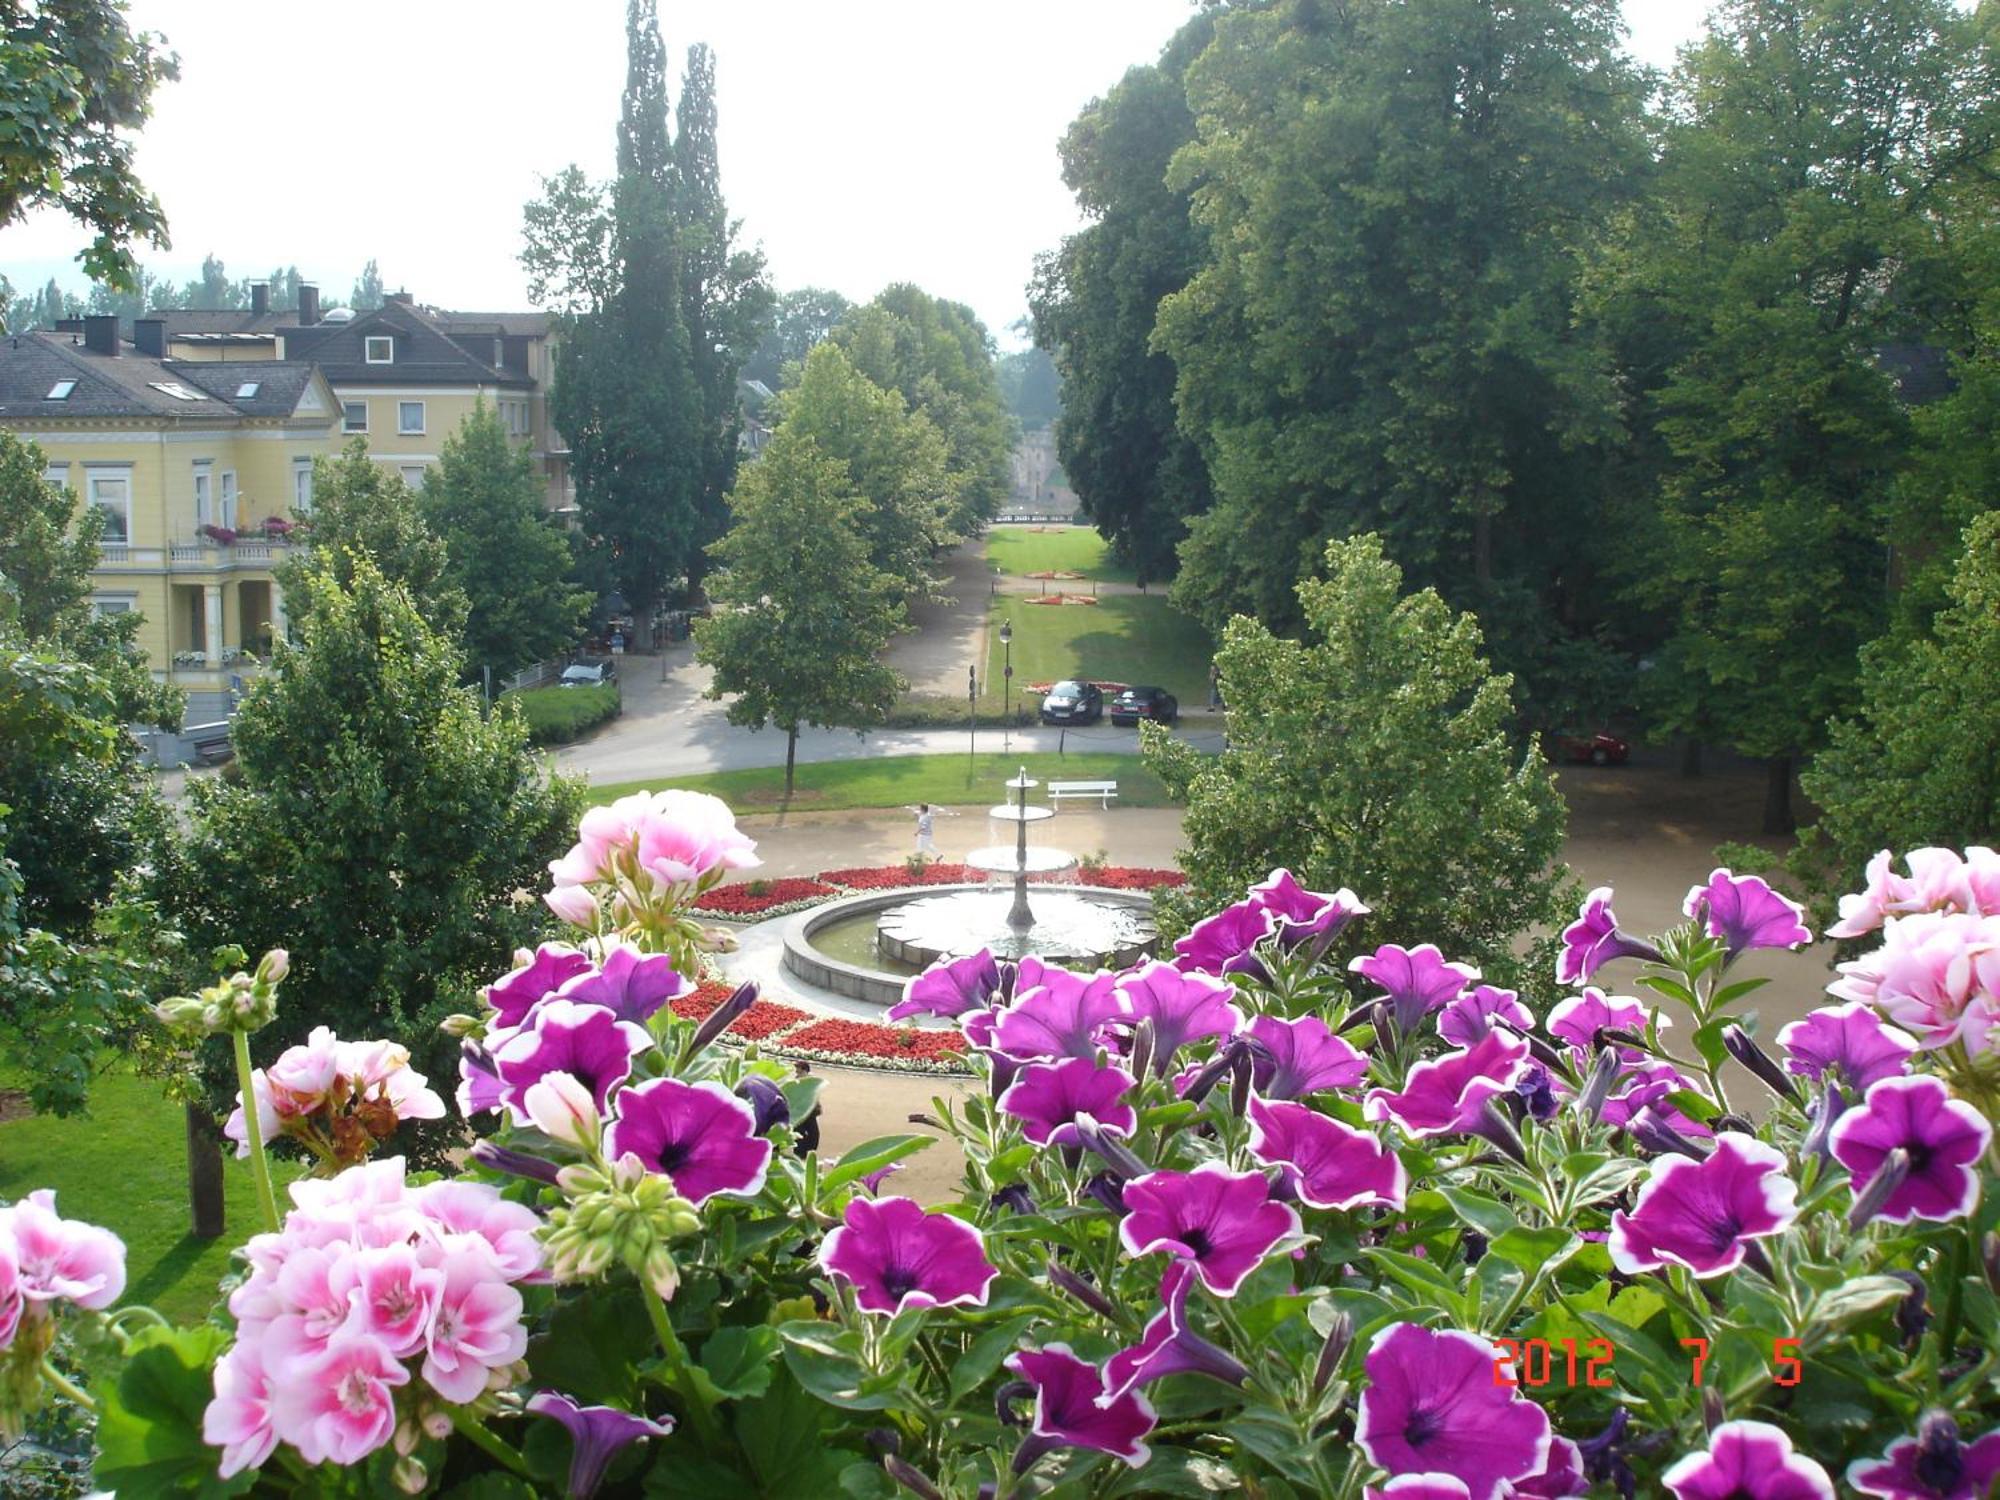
x=204 y=493
x=403 y=427
x=302 y=486
x=97 y=474
x=368 y=346
x=347 y=423
x=226 y=497
x=57 y=474
x=113 y=604
x=420 y=471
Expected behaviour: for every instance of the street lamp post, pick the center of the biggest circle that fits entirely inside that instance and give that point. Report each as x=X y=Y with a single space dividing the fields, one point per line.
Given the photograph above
x=971 y=724
x=1007 y=686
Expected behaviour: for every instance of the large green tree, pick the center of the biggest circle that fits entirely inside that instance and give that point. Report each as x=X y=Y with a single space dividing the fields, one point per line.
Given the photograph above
x=1383 y=338
x=75 y=83
x=503 y=553
x=799 y=321
x=802 y=613
x=1376 y=753
x=1809 y=164
x=1137 y=475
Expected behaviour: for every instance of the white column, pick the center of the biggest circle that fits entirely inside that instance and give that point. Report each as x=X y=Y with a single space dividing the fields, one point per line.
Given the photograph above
x=278 y=621
x=212 y=628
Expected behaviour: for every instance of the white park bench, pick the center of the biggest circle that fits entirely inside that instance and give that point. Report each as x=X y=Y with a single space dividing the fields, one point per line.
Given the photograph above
x=1103 y=791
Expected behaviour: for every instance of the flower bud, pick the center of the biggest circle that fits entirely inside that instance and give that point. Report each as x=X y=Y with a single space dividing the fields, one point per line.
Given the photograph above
x=1870 y=1201
x=1141 y=1056
x=514 y=1163
x=723 y=1016
x=1339 y=1335
x=563 y=1110
x=406 y=1437
x=410 y=1476
x=1989 y=1253
x=1239 y=1083
x=461 y=1026
x=912 y=1479
x=437 y=1424
x=1597 y=1088
x=1741 y=1046
x=1712 y=1413
x=1061 y=1276
x=274 y=966
x=574 y=904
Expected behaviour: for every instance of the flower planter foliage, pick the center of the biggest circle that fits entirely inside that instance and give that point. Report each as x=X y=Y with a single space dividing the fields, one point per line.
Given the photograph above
x=1242 y=1219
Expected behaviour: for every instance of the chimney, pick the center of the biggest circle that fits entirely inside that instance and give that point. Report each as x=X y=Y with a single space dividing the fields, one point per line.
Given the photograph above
x=260 y=298
x=149 y=335
x=308 y=304
x=69 y=325
x=100 y=334
x=400 y=299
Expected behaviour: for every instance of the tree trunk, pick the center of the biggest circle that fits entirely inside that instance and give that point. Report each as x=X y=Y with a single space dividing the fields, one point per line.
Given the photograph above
x=1778 y=795
x=206 y=1212
x=791 y=754
x=1482 y=545
x=1690 y=756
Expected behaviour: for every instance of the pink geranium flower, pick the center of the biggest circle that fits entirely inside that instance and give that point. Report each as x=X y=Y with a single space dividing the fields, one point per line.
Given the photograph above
x=238 y=1420
x=62 y=1259
x=1937 y=974
x=477 y=1327
x=340 y=1406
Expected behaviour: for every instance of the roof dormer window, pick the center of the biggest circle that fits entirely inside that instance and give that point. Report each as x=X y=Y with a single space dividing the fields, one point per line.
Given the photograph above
x=60 y=390
x=248 y=389
x=175 y=389
x=379 y=349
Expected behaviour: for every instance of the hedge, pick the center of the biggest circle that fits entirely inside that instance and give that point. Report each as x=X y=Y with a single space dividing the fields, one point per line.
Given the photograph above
x=557 y=715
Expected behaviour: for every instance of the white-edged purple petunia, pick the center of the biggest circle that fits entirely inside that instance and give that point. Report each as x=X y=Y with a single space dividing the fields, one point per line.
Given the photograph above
x=1449 y=1094
x=632 y=985
x=1704 y=1214
x=1225 y=943
x=597 y=1435
x=949 y=988
x=1168 y=1346
x=1943 y=1139
x=1468 y=1018
x=1182 y=1008
x=896 y=1257
x=1418 y=1487
x=1748 y=1461
x=534 y=978
x=1415 y=981
x=1581 y=1020
x=1292 y=1058
x=1224 y=1222
x=1746 y=913
x=1048 y=1099
x=1055 y=1013
x=1304 y=916
x=699 y=1134
x=1073 y=1410
x=1849 y=1041
x=587 y=1042
x=1594 y=940
x=1649 y=1086
x=1432 y=1407
x=1933 y=1465
x=1327 y=1164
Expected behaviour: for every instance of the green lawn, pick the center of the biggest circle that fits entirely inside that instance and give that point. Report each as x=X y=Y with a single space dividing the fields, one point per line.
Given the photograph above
x=900 y=780
x=1021 y=550
x=1136 y=638
x=125 y=1167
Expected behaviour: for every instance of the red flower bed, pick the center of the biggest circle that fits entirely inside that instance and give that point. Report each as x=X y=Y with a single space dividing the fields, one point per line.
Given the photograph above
x=1126 y=878
x=705 y=997
x=741 y=901
x=765 y=1018
x=868 y=1039
x=889 y=877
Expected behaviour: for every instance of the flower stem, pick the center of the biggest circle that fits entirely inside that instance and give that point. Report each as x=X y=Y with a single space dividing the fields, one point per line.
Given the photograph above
x=699 y=1410
x=253 y=1133
x=474 y=1431
x=70 y=1389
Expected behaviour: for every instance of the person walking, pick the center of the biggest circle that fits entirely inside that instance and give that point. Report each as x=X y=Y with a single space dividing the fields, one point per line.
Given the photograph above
x=927 y=816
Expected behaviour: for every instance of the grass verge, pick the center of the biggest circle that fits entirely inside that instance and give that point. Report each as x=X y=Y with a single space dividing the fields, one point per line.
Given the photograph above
x=557 y=715
x=1021 y=550
x=1136 y=638
x=900 y=780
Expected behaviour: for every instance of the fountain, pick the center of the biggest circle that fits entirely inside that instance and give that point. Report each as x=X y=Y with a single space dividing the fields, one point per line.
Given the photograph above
x=867 y=946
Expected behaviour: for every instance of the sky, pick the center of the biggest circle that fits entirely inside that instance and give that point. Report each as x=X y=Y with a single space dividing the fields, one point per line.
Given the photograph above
x=862 y=142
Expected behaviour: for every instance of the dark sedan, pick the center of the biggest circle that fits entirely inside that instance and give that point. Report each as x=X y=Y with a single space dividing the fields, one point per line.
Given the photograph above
x=1073 y=703
x=1137 y=703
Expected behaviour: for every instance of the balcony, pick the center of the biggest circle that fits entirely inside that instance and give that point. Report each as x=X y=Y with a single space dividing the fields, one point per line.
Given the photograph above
x=219 y=548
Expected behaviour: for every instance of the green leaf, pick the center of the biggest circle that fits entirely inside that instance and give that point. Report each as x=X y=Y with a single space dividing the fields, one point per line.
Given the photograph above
x=1694 y=1106
x=828 y=1363
x=149 y=1424
x=784 y=1437
x=1610 y=1179
x=983 y=1356
x=1708 y=1040
x=872 y=1156
x=1489 y=1216
x=1536 y=1251
x=738 y=1361
x=1729 y=994
x=1854 y=1300
x=594 y=1346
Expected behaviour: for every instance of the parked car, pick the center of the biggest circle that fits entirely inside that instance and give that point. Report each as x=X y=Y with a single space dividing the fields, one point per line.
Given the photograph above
x=588 y=673
x=1137 y=703
x=1587 y=748
x=1073 y=703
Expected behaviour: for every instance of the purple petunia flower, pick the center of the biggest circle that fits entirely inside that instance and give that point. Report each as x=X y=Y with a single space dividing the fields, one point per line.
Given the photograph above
x=1646 y=1087
x=1431 y=1407
x=768 y=1105
x=1746 y=913
x=1168 y=1346
x=587 y=1042
x=1223 y=944
x=1068 y=1413
x=1851 y=1041
x=479 y=1085
x=1291 y=1058
x=1944 y=1138
x=1328 y=1164
x=1933 y=1465
x=1449 y=1093
x=1047 y=1098
x=1055 y=1013
x=597 y=1435
x=1704 y=1214
x=1561 y=1476
x=950 y=988
x=1593 y=940
x=1582 y=1020
x=699 y=1134
x=1748 y=1461
x=1182 y=1007
x=896 y=1257
x=1418 y=1487
x=1304 y=916
x=1468 y=1018
x=630 y=984
x=1222 y=1221
x=553 y=965
x=1415 y=981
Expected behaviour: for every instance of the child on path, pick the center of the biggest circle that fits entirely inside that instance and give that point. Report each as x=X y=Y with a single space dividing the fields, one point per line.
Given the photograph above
x=926 y=846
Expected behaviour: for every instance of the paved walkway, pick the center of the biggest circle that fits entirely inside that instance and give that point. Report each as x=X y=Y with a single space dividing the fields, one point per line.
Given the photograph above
x=947 y=635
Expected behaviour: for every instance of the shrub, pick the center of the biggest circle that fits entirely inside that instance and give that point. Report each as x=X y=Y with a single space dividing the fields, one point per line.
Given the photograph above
x=557 y=715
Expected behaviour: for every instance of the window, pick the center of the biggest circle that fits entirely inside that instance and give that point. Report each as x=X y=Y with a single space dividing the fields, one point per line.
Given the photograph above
x=379 y=349
x=413 y=475
x=302 y=485
x=61 y=389
x=410 y=418
x=204 y=495
x=57 y=475
x=111 y=492
x=228 y=499
x=114 y=604
x=175 y=389
x=354 y=416
x=246 y=390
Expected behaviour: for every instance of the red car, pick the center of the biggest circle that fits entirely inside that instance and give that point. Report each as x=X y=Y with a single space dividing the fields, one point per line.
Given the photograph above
x=1598 y=749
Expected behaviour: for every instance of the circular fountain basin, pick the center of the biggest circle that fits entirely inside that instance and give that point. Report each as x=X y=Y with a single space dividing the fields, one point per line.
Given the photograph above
x=1001 y=859
x=867 y=946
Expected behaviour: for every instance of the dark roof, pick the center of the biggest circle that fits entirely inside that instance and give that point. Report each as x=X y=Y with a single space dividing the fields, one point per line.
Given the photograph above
x=184 y=320
x=519 y=324
x=125 y=386
x=425 y=355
